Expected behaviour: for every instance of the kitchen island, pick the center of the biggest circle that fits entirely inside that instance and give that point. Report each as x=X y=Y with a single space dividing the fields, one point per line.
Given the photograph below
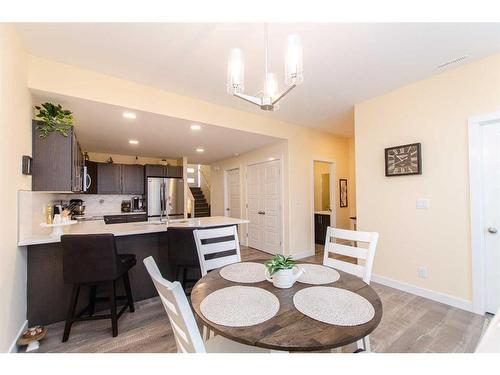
x=47 y=293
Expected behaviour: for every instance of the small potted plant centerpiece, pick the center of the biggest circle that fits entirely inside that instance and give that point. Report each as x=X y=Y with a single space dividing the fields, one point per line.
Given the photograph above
x=282 y=271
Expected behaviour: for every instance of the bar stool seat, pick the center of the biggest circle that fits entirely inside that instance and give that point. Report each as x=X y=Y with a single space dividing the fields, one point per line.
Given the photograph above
x=93 y=261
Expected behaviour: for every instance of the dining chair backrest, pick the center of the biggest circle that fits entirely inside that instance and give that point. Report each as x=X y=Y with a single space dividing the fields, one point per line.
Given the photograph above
x=367 y=254
x=186 y=333
x=217 y=247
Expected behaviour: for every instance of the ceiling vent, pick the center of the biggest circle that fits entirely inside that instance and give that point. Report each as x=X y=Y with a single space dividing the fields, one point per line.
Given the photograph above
x=454 y=61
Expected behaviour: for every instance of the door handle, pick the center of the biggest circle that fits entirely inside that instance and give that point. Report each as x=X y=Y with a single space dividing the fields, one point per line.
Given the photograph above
x=261 y=212
x=227 y=209
x=492 y=230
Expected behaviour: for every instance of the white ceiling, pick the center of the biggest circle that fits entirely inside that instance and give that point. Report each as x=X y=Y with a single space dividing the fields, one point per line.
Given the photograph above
x=102 y=128
x=343 y=63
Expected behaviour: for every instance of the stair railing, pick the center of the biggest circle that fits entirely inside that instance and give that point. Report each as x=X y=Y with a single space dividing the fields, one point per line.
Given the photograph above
x=205 y=186
x=190 y=203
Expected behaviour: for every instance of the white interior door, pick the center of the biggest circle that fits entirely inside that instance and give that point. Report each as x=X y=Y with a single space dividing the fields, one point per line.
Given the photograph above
x=233 y=202
x=491 y=213
x=264 y=209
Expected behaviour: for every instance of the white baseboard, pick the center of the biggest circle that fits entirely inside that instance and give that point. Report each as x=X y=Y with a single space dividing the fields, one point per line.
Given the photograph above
x=13 y=347
x=426 y=293
x=303 y=254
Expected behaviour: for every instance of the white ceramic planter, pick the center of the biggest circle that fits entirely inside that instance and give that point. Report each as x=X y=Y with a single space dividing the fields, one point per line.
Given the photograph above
x=285 y=278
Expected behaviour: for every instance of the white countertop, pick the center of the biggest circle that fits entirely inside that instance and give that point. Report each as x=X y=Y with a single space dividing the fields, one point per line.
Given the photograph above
x=126 y=229
x=323 y=212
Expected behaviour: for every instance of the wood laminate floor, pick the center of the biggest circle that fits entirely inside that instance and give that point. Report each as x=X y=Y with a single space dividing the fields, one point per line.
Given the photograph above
x=409 y=324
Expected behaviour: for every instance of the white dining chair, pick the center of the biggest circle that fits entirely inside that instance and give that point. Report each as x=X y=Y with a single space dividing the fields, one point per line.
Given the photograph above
x=366 y=253
x=213 y=243
x=186 y=333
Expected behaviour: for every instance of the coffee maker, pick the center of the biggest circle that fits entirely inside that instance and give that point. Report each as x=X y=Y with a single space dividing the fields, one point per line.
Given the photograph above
x=137 y=203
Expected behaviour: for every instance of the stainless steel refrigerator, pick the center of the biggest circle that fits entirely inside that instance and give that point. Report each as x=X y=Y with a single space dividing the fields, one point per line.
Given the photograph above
x=165 y=197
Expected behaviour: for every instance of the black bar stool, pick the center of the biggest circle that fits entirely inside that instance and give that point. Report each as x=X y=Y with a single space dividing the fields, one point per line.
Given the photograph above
x=183 y=256
x=92 y=260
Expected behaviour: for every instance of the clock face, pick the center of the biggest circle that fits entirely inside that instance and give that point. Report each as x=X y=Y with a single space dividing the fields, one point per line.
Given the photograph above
x=403 y=160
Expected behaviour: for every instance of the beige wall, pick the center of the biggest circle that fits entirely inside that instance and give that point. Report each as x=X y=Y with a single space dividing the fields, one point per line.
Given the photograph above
x=129 y=159
x=304 y=144
x=320 y=168
x=351 y=180
x=434 y=112
x=15 y=122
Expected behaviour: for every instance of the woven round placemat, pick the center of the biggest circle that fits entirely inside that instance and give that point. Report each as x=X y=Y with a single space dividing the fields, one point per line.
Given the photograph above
x=244 y=272
x=334 y=306
x=239 y=306
x=316 y=274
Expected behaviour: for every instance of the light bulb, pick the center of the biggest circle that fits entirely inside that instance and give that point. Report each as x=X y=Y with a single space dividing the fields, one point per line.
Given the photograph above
x=294 y=73
x=271 y=86
x=235 y=71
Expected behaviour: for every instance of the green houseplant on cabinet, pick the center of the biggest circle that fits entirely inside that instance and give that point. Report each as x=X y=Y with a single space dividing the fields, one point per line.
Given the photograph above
x=53 y=118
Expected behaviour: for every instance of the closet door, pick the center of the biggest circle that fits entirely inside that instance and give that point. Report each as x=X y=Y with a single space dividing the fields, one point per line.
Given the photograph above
x=264 y=206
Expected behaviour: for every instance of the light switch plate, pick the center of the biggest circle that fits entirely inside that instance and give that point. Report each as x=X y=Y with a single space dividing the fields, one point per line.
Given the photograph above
x=422 y=203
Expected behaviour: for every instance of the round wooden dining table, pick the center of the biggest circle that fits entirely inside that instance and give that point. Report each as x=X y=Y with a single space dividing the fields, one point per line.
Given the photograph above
x=290 y=330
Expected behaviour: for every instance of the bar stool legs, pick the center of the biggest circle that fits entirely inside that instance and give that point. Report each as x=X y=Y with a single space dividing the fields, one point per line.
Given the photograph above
x=112 y=308
x=128 y=291
x=112 y=298
x=71 y=312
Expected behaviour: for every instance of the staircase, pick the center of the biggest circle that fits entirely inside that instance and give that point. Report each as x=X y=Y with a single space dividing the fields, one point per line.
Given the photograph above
x=201 y=207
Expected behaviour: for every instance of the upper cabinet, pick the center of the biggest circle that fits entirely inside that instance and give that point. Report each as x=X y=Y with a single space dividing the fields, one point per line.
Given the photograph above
x=153 y=170
x=174 y=171
x=133 y=179
x=109 y=178
x=171 y=171
x=57 y=162
x=120 y=179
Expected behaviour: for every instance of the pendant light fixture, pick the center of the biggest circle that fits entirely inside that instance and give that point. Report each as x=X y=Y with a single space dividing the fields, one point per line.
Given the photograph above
x=294 y=74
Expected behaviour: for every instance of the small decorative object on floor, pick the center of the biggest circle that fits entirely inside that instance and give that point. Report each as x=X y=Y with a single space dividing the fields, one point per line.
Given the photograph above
x=280 y=271
x=31 y=337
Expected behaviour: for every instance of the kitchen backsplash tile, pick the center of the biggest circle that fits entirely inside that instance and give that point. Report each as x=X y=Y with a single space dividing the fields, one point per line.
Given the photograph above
x=32 y=205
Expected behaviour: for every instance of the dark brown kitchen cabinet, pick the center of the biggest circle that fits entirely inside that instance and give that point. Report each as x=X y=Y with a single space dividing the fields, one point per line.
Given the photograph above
x=132 y=179
x=120 y=219
x=174 y=171
x=109 y=178
x=321 y=224
x=134 y=218
x=155 y=170
x=57 y=162
x=171 y=171
x=115 y=219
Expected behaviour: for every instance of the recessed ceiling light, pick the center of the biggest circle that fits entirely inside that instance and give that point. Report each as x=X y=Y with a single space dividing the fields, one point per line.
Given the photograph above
x=200 y=150
x=195 y=127
x=133 y=142
x=130 y=115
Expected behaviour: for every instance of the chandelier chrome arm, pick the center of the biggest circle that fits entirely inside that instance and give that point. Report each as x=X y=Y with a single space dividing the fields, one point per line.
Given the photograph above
x=265 y=103
x=283 y=94
x=252 y=99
